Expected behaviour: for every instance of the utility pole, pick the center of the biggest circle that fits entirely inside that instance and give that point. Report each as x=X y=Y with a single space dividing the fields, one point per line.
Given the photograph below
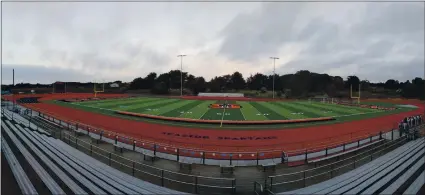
x=274 y=68
x=181 y=73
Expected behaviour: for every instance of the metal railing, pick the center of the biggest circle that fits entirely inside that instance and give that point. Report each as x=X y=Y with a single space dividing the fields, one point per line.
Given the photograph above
x=153 y=174
x=300 y=179
x=180 y=181
x=165 y=146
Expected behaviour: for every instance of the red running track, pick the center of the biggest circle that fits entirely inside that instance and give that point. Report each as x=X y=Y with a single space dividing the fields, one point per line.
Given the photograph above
x=238 y=140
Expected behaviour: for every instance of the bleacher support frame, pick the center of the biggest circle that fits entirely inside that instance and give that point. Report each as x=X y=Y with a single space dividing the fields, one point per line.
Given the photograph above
x=353 y=162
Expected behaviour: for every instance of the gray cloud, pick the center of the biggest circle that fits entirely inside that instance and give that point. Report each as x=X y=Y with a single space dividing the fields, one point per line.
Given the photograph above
x=252 y=35
x=127 y=40
x=30 y=73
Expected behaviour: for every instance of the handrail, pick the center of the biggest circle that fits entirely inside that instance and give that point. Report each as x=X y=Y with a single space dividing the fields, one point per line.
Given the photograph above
x=183 y=174
x=255 y=188
x=80 y=144
x=393 y=143
x=324 y=144
x=330 y=164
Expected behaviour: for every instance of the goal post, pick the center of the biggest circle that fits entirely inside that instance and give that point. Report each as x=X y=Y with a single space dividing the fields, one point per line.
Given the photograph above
x=98 y=88
x=358 y=95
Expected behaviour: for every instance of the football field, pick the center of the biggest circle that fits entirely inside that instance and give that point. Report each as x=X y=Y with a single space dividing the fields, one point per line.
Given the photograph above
x=250 y=110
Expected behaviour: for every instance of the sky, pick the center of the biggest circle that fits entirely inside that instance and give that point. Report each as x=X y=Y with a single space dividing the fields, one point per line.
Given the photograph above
x=95 y=41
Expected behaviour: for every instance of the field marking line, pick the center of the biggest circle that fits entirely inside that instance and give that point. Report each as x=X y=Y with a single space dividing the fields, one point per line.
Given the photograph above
x=242 y=115
x=95 y=107
x=357 y=114
x=224 y=111
x=204 y=113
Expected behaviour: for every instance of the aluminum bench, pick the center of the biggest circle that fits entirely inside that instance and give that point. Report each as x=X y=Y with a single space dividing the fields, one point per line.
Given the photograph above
x=50 y=183
x=21 y=177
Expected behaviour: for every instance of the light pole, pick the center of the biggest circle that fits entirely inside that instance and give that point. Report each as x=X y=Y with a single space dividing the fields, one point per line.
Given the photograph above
x=181 y=73
x=274 y=67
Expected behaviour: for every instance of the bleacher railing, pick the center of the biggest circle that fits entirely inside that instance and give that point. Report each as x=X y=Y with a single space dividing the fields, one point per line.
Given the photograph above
x=166 y=178
x=275 y=151
x=300 y=179
x=162 y=177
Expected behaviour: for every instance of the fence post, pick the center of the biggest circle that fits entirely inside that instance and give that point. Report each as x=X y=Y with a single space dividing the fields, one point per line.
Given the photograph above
x=133 y=168
x=257 y=159
x=154 y=149
x=358 y=143
x=196 y=185
x=392 y=134
x=134 y=145
x=305 y=160
x=178 y=155
x=343 y=147
x=230 y=159
x=162 y=177
x=110 y=155
x=271 y=183
x=203 y=158
x=234 y=185
x=326 y=153
x=282 y=157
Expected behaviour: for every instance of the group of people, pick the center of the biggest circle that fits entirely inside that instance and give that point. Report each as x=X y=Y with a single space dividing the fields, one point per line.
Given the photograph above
x=413 y=121
x=409 y=123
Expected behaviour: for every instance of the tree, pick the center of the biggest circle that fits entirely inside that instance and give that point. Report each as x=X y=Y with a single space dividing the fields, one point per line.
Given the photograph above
x=160 y=88
x=392 y=84
x=237 y=81
x=137 y=83
x=257 y=81
x=352 y=81
x=150 y=80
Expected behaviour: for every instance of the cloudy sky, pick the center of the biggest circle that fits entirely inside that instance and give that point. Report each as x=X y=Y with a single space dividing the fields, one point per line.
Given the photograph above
x=47 y=42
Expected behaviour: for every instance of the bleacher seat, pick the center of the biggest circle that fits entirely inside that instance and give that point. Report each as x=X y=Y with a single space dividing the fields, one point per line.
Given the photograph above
x=80 y=173
x=380 y=175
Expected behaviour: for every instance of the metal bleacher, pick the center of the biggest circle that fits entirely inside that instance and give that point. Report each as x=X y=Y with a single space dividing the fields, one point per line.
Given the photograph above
x=64 y=169
x=18 y=172
x=394 y=172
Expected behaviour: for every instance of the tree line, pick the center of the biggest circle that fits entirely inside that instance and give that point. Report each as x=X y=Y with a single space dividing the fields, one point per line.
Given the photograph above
x=301 y=84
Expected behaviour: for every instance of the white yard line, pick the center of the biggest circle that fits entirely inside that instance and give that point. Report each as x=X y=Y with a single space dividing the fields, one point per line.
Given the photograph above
x=356 y=114
x=204 y=113
x=243 y=115
x=96 y=107
x=222 y=118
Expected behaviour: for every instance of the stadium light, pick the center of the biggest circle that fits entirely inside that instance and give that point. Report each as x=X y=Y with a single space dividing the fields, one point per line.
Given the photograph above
x=181 y=73
x=274 y=68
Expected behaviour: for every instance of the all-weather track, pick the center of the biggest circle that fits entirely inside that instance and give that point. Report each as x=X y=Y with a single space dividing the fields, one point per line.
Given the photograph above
x=230 y=140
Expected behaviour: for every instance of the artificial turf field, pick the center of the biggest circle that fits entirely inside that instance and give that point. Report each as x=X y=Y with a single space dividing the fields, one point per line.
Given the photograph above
x=198 y=109
x=251 y=110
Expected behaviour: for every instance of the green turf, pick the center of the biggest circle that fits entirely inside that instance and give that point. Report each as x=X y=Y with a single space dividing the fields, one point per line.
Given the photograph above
x=111 y=105
x=335 y=110
x=310 y=112
x=250 y=112
x=176 y=112
x=197 y=109
x=140 y=108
